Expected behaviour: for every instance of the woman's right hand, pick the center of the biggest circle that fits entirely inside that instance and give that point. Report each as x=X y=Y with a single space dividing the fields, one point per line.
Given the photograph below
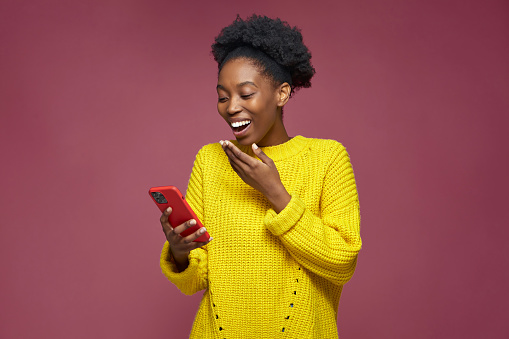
x=181 y=246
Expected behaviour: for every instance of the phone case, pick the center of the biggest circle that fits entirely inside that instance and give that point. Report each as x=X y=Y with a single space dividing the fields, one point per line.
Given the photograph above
x=166 y=196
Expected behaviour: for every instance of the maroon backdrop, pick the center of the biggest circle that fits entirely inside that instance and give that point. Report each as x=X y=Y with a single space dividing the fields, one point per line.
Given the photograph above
x=102 y=99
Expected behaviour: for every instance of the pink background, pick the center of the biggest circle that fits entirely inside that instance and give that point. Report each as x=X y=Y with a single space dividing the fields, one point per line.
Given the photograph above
x=101 y=100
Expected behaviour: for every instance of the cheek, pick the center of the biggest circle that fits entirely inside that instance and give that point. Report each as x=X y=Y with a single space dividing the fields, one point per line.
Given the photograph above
x=220 y=109
x=269 y=109
x=262 y=106
x=222 y=112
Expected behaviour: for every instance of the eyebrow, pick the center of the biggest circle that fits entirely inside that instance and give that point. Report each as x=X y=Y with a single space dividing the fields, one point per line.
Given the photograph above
x=239 y=85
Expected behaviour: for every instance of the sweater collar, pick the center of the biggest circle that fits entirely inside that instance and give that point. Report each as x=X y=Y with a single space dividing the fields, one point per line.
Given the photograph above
x=281 y=151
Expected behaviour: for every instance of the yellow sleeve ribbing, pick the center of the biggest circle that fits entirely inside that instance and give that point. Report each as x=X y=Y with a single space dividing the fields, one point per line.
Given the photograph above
x=194 y=278
x=327 y=244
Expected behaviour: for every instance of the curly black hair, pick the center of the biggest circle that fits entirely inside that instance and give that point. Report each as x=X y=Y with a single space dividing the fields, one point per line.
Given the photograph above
x=271 y=44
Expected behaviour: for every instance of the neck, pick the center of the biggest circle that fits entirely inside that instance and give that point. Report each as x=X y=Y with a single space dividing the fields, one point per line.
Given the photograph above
x=276 y=136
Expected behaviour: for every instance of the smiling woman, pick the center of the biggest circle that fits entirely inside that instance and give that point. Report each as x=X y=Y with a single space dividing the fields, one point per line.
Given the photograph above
x=251 y=104
x=283 y=210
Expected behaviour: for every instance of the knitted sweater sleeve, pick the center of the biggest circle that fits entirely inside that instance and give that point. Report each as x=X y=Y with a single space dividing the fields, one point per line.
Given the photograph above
x=194 y=277
x=326 y=244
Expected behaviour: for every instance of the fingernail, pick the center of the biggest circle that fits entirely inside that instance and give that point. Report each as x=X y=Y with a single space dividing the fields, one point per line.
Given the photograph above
x=210 y=239
x=192 y=222
x=221 y=142
x=226 y=142
x=202 y=230
x=168 y=209
x=255 y=146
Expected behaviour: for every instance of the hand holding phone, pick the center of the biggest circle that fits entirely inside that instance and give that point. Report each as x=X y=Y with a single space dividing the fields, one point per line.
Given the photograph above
x=182 y=228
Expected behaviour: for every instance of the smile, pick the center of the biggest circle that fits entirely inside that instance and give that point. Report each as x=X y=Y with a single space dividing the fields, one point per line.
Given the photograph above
x=240 y=127
x=240 y=123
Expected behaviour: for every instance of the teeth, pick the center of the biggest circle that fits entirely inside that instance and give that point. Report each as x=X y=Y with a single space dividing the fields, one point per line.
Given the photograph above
x=240 y=123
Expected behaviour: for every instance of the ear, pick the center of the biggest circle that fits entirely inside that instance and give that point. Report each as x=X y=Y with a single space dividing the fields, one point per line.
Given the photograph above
x=284 y=94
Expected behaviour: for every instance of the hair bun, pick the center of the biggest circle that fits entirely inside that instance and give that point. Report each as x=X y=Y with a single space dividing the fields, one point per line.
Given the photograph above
x=274 y=37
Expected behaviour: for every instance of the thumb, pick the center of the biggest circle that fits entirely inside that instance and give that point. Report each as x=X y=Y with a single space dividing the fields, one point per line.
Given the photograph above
x=259 y=153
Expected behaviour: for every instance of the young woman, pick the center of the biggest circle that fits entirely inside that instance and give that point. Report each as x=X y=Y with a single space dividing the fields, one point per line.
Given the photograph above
x=283 y=211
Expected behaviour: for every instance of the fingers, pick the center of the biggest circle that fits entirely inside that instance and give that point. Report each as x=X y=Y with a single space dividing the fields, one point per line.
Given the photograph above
x=231 y=151
x=165 y=222
x=236 y=155
x=237 y=164
x=177 y=231
x=172 y=232
x=259 y=153
x=192 y=237
x=165 y=215
x=181 y=247
x=182 y=227
x=184 y=243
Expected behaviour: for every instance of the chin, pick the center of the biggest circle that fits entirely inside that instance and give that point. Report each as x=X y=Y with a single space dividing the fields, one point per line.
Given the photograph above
x=245 y=142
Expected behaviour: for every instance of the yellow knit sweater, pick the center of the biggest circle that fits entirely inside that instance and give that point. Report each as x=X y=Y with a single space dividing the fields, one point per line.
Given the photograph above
x=269 y=275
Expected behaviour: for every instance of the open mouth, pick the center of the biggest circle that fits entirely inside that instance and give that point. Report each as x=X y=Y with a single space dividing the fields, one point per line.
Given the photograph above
x=239 y=127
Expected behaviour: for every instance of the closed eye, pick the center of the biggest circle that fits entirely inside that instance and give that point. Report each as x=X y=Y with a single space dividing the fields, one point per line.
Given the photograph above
x=246 y=96
x=223 y=99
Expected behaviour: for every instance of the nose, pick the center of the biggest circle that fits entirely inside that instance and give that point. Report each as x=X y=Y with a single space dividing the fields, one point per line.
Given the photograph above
x=233 y=106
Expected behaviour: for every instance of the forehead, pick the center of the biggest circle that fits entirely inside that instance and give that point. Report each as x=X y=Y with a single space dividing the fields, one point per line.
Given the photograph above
x=241 y=70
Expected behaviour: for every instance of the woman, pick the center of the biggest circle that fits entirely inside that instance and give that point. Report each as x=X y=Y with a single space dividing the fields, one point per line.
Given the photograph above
x=283 y=211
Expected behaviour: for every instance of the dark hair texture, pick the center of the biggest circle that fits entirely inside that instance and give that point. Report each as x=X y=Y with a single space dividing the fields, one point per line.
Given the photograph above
x=271 y=44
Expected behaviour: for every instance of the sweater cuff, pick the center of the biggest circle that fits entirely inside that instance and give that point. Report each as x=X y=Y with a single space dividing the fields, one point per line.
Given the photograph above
x=281 y=223
x=170 y=270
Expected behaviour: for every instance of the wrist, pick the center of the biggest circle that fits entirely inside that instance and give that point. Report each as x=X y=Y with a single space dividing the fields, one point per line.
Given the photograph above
x=181 y=261
x=279 y=198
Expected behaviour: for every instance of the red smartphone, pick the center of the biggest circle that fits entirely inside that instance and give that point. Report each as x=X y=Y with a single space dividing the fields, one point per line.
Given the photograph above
x=166 y=196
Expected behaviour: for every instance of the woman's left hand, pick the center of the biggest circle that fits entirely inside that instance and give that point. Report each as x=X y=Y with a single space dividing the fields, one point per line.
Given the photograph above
x=261 y=175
